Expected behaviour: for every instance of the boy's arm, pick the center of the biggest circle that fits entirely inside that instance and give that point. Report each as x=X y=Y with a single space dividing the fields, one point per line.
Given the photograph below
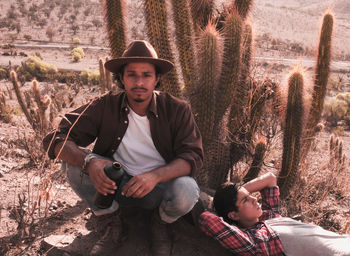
x=258 y=184
x=229 y=236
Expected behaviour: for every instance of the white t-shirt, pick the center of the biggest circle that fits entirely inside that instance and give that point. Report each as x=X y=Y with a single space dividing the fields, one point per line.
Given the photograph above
x=137 y=152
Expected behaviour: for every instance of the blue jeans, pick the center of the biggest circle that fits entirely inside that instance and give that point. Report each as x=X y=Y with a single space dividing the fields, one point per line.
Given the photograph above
x=174 y=198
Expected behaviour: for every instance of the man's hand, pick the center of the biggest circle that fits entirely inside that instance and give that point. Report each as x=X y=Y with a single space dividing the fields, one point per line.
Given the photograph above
x=140 y=185
x=98 y=177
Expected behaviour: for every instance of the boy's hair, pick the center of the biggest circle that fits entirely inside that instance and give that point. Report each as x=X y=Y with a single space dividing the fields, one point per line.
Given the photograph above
x=116 y=77
x=225 y=199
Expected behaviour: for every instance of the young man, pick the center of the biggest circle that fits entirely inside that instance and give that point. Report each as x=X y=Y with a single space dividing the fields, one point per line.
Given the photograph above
x=152 y=134
x=246 y=227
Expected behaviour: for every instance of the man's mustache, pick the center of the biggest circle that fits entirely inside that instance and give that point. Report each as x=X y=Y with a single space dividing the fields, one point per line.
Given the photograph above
x=138 y=88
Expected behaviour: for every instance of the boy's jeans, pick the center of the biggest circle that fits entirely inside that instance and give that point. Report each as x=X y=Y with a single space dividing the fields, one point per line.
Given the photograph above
x=175 y=198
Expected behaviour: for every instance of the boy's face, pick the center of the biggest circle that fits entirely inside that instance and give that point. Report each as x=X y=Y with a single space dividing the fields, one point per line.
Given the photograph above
x=249 y=210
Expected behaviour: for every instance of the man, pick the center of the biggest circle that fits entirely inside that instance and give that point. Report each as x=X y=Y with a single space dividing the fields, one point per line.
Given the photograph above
x=247 y=228
x=152 y=134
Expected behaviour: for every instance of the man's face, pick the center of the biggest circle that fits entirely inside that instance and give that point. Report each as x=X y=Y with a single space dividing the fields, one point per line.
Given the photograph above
x=139 y=80
x=249 y=210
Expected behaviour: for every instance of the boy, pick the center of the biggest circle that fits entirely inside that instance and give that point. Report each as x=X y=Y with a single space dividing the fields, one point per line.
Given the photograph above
x=246 y=227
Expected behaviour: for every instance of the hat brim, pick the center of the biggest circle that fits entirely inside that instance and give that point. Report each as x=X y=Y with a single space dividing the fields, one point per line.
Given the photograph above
x=114 y=65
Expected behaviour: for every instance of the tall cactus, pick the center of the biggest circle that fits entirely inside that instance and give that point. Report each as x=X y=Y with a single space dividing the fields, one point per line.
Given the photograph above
x=321 y=79
x=203 y=101
x=184 y=43
x=114 y=15
x=230 y=65
x=157 y=28
x=292 y=134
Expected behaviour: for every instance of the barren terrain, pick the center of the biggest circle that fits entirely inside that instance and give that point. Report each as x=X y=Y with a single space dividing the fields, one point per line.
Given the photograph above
x=64 y=226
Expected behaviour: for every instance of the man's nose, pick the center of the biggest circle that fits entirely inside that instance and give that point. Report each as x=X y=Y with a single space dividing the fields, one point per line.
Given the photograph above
x=138 y=80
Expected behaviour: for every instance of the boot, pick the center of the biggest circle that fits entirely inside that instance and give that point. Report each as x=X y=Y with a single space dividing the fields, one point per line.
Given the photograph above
x=114 y=235
x=161 y=244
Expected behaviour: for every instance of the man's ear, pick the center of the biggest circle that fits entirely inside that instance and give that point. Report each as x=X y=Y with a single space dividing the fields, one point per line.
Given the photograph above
x=233 y=215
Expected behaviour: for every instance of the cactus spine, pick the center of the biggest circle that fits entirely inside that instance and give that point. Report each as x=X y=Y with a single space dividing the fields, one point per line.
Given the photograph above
x=184 y=43
x=157 y=28
x=114 y=15
x=292 y=134
x=321 y=79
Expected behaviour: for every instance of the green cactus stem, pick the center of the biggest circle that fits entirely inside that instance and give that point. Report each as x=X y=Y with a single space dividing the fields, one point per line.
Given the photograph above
x=203 y=101
x=292 y=134
x=114 y=15
x=184 y=43
x=321 y=79
x=157 y=29
x=231 y=63
x=257 y=162
x=241 y=94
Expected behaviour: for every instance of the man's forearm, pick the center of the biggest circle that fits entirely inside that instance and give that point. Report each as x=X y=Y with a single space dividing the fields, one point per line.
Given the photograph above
x=71 y=153
x=177 y=168
x=257 y=184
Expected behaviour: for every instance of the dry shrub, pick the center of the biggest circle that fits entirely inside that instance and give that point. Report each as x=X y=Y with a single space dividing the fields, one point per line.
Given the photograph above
x=321 y=195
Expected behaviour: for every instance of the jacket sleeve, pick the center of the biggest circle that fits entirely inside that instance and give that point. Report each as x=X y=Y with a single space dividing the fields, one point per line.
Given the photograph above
x=80 y=126
x=188 y=140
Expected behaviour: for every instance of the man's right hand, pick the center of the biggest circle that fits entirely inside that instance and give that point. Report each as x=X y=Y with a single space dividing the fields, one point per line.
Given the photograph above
x=98 y=177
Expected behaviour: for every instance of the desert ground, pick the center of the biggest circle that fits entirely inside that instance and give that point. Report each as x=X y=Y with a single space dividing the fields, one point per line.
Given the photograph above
x=286 y=34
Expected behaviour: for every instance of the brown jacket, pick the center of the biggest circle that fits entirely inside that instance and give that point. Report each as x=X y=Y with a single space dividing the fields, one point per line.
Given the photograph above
x=173 y=128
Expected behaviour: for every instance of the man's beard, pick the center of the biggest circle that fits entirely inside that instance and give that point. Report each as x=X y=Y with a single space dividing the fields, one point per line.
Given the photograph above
x=139 y=100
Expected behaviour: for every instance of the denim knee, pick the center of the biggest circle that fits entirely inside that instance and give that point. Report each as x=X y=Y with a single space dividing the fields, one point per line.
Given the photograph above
x=180 y=196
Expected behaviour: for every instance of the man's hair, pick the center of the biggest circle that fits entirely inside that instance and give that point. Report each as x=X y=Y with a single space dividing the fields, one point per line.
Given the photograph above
x=117 y=76
x=225 y=199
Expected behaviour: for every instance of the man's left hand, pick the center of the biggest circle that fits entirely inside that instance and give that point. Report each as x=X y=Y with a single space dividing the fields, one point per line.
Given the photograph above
x=140 y=185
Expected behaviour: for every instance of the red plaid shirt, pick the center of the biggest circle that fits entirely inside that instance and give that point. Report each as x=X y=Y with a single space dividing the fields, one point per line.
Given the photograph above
x=259 y=239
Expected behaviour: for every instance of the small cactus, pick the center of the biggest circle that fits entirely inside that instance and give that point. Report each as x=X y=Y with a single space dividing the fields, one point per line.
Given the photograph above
x=20 y=99
x=102 y=76
x=257 y=162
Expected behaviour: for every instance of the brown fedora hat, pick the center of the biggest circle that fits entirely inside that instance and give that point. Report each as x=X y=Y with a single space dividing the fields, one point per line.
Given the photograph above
x=139 y=51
